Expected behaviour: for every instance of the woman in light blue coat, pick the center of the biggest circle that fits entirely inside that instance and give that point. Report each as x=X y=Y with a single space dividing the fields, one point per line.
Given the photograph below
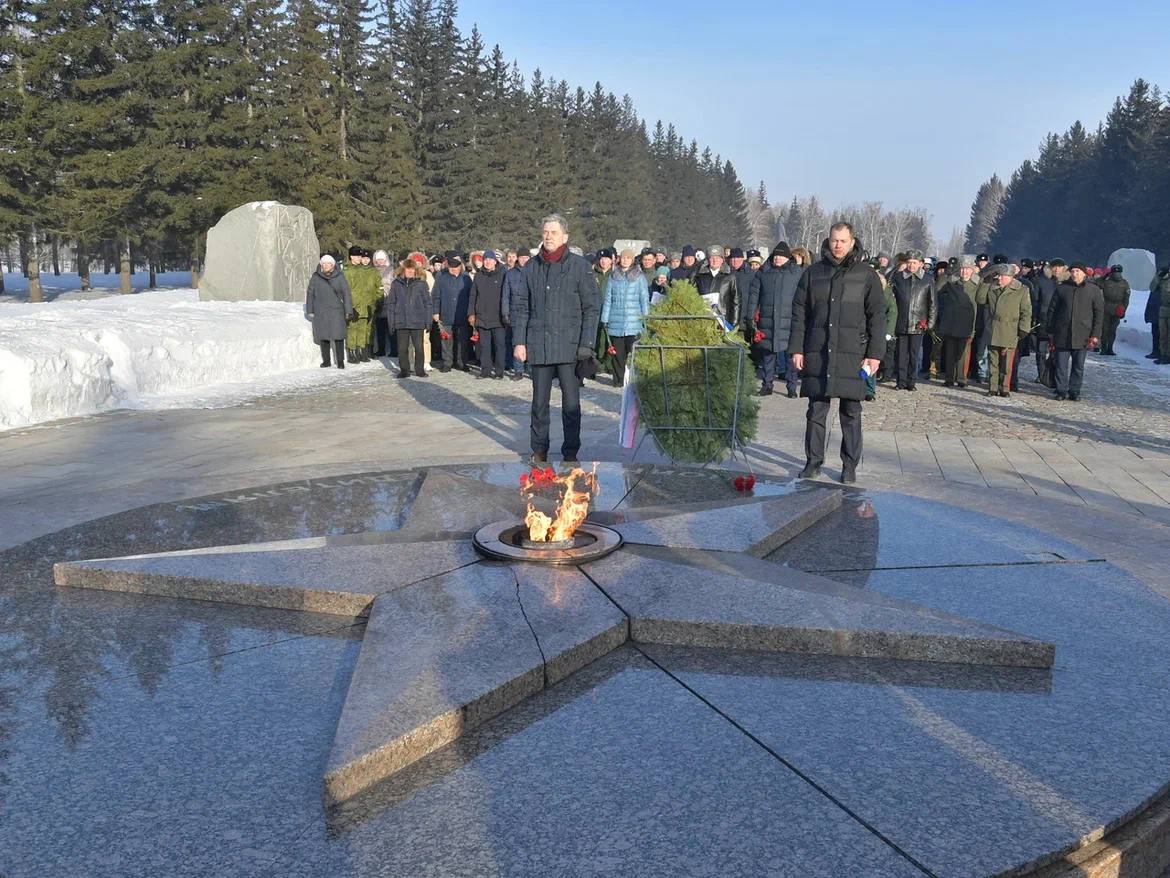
x=627 y=302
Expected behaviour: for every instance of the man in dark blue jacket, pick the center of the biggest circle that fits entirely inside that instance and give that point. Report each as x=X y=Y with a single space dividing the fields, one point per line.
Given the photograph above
x=769 y=310
x=554 y=325
x=449 y=300
x=513 y=285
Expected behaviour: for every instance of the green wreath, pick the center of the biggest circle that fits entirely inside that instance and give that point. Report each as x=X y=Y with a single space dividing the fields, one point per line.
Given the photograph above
x=673 y=385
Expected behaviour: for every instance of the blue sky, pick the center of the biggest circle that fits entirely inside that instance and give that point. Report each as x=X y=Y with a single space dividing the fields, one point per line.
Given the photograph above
x=908 y=103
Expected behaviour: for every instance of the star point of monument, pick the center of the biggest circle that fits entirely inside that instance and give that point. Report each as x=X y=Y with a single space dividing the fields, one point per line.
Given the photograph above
x=453 y=639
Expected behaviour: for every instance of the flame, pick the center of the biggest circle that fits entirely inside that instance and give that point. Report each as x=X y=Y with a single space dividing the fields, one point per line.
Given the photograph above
x=578 y=489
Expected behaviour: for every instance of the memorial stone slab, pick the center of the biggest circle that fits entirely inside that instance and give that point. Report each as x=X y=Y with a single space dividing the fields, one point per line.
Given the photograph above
x=261 y=250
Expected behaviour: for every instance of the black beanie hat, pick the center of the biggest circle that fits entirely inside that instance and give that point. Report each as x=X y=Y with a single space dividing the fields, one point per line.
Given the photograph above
x=781 y=249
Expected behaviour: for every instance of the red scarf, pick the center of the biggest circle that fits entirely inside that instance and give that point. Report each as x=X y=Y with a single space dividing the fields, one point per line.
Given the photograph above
x=554 y=255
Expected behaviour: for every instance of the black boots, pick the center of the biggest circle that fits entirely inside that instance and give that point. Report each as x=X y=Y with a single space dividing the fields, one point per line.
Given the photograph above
x=325 y=346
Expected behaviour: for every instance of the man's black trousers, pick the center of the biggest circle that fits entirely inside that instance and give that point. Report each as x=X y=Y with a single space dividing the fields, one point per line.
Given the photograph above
x=542 y=379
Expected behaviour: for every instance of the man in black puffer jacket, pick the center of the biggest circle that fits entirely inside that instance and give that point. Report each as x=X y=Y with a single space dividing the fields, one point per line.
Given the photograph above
x=1074 y=321
x=838 y=330
x=554 y=324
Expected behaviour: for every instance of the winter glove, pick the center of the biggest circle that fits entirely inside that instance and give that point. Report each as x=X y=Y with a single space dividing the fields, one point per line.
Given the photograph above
x=352 y=316
x=584 y=353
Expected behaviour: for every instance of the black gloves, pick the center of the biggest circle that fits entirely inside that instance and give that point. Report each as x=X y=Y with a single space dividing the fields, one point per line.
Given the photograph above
x=584 y=353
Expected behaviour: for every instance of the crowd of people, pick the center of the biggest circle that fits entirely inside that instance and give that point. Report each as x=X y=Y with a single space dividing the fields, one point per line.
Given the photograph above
x=900 y=320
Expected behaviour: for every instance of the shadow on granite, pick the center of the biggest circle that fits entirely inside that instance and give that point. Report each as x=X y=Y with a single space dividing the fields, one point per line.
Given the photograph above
x=616 y=771
x=1006 y=773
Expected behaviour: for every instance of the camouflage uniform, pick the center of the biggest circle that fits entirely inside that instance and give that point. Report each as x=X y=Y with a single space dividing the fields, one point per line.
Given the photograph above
x=365 y=286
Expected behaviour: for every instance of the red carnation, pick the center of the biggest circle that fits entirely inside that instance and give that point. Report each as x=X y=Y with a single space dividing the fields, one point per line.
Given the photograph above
x=758 y=337
x=475 y=337
x=611 y=350
x=739 y=483
x=550 y=474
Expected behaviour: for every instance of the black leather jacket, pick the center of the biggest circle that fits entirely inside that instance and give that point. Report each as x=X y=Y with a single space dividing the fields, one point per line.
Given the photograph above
x=916 y=302
x=725 y=290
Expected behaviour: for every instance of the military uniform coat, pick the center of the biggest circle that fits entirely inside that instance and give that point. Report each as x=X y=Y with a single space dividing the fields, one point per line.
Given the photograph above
x=1009 y=314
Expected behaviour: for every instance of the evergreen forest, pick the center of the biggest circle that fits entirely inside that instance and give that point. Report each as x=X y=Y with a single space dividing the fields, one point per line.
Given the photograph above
x=128 y=127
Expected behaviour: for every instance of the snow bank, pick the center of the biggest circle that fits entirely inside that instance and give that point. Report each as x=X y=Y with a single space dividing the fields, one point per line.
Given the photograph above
x=158 y=349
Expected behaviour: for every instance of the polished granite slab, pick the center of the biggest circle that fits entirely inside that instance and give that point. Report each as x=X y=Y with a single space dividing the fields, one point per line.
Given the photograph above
x=972 y=773
x=444 y=656
x=883 y=529
x=146 y=736
x=310 y=575
x=670 y=600
x=750 y=528
x=617 y=771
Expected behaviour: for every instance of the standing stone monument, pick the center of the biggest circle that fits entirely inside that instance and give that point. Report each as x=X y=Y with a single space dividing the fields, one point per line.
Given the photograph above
x=261 y=250
x=1137 y=266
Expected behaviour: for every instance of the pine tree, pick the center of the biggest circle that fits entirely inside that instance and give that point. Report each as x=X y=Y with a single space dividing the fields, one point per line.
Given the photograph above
x=984 y=215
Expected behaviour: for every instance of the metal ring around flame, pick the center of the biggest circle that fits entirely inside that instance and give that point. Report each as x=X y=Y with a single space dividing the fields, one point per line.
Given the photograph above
x=503 y=541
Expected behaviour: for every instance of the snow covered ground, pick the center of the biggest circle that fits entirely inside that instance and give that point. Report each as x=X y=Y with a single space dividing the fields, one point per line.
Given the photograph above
x=151 y=350
x=67 y=287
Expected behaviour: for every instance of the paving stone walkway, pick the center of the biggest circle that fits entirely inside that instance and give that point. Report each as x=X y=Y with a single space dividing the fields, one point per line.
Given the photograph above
x=1110 y=451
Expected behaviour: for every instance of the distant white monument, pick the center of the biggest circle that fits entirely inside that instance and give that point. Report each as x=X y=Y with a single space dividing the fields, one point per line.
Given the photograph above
x=1137 y=266
x=261 y=250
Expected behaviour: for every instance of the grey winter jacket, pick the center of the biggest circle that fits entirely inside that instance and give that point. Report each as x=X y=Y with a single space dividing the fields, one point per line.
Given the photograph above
x=771 y=293
x=327 y=301
x=557 y=310
x=450 y=297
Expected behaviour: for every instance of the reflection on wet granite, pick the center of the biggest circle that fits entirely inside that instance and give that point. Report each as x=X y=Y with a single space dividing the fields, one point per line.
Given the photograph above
x=208 y=772
x=881 y=529
x=663 y=486
x=616 y=771
x=967 y=779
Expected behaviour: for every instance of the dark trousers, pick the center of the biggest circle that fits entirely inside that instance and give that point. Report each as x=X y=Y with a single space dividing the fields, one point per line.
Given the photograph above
x=906 y=352
x=889 y=360
x=338 y=350
x=383 y=338
x=405 y=338
x=767 y=368
x=1154 y=331
x=928 y=353
x=1070 y=371
x=492 y=350
x=979 y=348
x=542 y=379
x=1109 y=333
x=956 y=351
x=1041 y=360
x=622 y=345
x=814 y=432
x=455 y=349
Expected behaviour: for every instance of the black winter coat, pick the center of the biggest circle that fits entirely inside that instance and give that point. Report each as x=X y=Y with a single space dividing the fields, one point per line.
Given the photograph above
x=838 y=320
x=557 y=310
x=771 y=293
x=720 y=288
x=327 y=302
x=408 y=304
x=487 y=299
x=1075 y=315
x=1154 y=302
x=956 y=309
x=1043 y=289
x=450 y=297
x=916 y=302
x=683 y=273
x=512 y=287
